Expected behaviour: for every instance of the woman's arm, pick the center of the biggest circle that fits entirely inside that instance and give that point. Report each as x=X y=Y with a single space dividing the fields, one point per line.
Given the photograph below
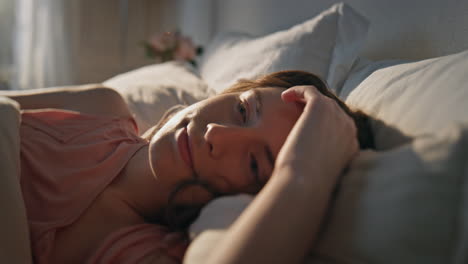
x=90 y=99
x=282 y=223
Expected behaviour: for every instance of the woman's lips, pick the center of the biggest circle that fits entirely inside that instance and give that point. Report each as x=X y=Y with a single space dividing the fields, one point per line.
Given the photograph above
x=183 y=145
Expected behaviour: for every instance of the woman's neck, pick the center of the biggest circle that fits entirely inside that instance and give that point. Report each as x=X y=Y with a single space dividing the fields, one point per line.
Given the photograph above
x=140 y=189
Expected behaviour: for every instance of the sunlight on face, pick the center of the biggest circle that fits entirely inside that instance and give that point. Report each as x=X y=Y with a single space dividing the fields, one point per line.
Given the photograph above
x=230 y=140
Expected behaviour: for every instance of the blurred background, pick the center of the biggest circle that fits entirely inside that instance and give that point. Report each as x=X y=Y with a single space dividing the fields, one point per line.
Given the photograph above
x=47 y=43
x=60 y=42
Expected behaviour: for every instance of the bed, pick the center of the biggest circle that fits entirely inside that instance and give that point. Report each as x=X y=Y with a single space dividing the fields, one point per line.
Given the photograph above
x=402 y=62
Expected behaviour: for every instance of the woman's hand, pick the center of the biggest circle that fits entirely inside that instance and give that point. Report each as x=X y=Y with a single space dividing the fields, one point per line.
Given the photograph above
x=323 y=140
x=283 y=221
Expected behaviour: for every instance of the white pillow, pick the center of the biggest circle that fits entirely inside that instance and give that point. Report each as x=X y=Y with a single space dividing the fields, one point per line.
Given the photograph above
x=406 y=205
x=361 y=69
x=326 y=45
x=150 y=91
x=411 y=98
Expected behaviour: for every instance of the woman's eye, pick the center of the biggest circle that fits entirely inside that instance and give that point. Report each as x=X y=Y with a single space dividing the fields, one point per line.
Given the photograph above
x=254 y=166
x=243 y=111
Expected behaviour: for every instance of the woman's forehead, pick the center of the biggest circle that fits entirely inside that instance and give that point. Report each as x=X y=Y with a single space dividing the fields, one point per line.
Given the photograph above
x=263 y=91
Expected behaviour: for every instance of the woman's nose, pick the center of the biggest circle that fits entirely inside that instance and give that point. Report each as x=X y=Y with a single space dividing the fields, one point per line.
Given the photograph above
x=222 y=137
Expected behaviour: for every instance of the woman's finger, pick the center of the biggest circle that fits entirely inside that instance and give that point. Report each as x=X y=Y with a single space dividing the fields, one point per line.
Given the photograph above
x=289 y=95
x=300 y=94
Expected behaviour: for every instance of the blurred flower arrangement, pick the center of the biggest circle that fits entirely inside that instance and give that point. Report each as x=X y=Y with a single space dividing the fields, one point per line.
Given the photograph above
x=172 y=46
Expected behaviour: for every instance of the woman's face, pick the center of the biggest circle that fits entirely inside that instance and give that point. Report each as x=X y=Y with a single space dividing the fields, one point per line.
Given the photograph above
x=230 y=141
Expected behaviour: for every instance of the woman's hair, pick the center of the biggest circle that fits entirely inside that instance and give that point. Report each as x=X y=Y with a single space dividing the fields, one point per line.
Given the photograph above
x=287 y=79
x=179 y=217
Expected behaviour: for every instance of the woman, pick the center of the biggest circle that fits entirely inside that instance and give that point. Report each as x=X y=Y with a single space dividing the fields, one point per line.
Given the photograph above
x=96 y=192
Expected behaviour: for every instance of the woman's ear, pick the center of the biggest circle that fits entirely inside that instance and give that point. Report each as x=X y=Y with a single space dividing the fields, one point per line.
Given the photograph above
x=167 y=115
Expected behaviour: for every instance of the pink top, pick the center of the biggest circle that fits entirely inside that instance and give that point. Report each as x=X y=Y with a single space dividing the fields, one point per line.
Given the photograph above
x=67 y=160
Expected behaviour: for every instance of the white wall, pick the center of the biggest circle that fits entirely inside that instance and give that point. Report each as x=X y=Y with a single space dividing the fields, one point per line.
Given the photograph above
x=196 y=19
x=106 y=44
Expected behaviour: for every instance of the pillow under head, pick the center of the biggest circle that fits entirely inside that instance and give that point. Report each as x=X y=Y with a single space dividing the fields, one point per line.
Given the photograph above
x=152 y=90
x=410 y=98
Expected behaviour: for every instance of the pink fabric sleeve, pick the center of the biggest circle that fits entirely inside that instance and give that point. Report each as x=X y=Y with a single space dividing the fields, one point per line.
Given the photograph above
x=67 y=160
x=132 y=244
